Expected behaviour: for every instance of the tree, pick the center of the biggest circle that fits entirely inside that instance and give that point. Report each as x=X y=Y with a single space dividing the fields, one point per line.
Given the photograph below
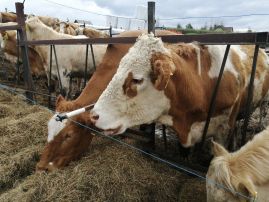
x=179 y=26
x=189 y=26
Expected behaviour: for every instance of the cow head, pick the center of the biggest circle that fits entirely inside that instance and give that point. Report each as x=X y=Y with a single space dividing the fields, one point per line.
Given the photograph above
x=135 y=94
x=67 y=145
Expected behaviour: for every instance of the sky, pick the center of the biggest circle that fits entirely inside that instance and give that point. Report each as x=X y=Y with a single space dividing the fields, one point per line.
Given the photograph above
x=165 y=10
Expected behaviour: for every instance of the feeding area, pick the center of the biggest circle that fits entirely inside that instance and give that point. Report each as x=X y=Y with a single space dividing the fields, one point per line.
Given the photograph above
x=141 y=115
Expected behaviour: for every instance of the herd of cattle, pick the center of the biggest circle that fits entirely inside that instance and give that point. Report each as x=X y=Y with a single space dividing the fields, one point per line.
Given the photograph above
x=151 y=81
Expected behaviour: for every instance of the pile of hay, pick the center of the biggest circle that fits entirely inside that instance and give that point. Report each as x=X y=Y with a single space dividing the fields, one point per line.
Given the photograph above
x=107 y=172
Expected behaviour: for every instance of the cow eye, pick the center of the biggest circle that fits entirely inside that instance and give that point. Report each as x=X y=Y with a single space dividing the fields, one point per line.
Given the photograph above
x=137 y=81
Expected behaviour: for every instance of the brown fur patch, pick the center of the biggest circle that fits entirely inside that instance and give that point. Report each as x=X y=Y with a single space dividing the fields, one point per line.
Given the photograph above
x=162 y=67
x=129 y=88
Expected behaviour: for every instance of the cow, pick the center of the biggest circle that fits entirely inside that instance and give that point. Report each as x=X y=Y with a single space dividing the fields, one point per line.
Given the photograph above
x=91 y=33
x=67 y=140
x=9 y=45
x=71 y=58
x=172 y=84
x=68 y=28
x=242 y=174
x=7 y=17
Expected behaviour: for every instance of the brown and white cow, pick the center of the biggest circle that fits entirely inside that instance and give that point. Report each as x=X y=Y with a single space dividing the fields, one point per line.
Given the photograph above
x=7 y=17
x=66 y=140
x=91 y=33
x=9 y=45
x=71 y=58
x=172 y=84
x=68 y=28
x=242 y=174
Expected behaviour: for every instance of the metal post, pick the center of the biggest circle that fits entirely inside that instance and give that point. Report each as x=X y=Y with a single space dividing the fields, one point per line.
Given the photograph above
x=93 y=58
x=27 y=76
x=86 y=65
x=214 y=95
x=49 y=81
x=164 y=137
x=58 y=72
x=151 y=17
x=250 y=95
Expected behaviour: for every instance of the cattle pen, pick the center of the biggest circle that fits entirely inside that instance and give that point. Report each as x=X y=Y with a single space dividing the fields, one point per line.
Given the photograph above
x=259 y=39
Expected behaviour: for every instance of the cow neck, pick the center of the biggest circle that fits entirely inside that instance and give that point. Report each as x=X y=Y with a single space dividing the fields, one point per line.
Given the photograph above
x=187 y=92
x=103 y=75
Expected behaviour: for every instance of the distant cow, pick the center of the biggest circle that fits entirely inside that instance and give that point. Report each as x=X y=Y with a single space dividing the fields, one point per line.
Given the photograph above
x=68 y=28
x=67 y=140
x=172 y=84
x=71 y=58
x=91 y=33
x=7 y=17
x=244 y=172
x=9 y=45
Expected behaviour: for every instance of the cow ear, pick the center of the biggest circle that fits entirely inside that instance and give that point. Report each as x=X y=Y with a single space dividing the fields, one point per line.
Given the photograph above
x=162 y=69
x=247 y=186
x=218 y=150
x=59 y=99
x=4 y=35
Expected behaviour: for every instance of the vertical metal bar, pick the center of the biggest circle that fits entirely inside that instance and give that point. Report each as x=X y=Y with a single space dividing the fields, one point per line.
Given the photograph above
x=151 y=17
x=86 y=65
x=18 y=60
x=164 y=137
x=49 y=81
x=24 y=50
x=93 y=58
x=214 y=95
x=110 y=31
x=57 y=67
x=250 y=95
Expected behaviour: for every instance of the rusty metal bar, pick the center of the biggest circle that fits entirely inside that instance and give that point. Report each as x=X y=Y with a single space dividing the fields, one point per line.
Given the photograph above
x=151 y=17
x=214 y=95
x=57 y=66
x=164 y=137
x=24 y=50
x=93 y=58
x=9 y=27
x=250 y=95
x=49 y=79
x=86 y=65
x=213 y=39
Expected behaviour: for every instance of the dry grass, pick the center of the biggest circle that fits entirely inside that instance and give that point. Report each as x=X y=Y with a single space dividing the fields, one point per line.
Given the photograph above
x=107 y=172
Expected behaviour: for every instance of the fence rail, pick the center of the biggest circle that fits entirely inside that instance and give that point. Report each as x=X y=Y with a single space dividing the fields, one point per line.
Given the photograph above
x=207 y=39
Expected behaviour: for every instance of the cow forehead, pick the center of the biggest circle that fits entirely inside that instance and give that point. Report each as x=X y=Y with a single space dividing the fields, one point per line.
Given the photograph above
x=138 y=57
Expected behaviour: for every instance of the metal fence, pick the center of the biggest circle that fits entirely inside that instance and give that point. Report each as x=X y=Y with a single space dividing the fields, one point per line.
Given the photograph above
x=258 y=39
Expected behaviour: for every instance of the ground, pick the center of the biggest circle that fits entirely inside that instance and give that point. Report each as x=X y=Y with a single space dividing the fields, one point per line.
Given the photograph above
x=107 y=172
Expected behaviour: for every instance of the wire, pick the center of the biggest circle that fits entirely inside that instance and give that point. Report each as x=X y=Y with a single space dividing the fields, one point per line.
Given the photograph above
x=86 y=11
x=209 y=17
x=189 y=171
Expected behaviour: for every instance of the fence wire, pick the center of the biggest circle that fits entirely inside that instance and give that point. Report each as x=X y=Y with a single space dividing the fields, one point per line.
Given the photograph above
x=177 y=167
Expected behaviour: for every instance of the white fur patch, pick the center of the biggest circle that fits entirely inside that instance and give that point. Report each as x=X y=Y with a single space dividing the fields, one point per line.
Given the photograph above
x=198 y=53
x=217 y=53
x=218 y=127
x=116 y=109
x=54 y=127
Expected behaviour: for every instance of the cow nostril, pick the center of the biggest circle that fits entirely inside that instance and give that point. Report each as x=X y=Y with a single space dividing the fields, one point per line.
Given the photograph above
x=95 y=117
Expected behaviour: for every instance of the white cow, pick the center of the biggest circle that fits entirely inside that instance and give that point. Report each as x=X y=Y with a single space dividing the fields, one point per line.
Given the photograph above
x=71 y=58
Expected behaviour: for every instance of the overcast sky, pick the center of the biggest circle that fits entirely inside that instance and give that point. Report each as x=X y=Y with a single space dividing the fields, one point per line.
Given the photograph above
x=164 y=9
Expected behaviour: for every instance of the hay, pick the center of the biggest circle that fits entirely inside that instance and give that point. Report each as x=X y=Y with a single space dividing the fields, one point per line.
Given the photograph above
x=107 y=172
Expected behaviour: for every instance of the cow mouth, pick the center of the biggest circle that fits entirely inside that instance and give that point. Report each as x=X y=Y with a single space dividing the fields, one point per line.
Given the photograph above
x=113 y=131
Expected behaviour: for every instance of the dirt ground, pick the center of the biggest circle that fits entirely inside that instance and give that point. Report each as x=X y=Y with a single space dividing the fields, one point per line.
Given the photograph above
x=107 y=172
